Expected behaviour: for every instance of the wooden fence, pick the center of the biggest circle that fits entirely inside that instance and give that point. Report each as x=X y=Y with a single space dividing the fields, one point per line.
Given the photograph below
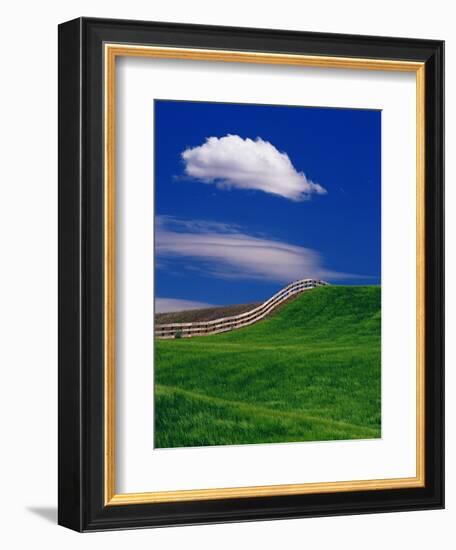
x=225 y=324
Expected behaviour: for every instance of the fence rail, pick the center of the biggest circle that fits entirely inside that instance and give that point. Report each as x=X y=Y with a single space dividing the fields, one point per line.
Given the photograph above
x=225 y=324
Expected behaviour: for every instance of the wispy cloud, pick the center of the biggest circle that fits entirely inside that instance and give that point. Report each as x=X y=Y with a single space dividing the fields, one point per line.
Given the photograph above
x=232 y=161
x=226 y=251
x=165 y=305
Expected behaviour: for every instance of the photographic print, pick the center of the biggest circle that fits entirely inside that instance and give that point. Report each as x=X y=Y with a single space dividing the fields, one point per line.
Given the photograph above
x=244 y=281
x=267 y=274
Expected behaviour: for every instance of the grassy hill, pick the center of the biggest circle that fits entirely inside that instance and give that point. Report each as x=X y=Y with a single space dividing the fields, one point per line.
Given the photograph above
x=309 y=372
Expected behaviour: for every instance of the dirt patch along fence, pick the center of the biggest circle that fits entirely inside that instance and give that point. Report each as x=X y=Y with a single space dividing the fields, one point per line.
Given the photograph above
x=226 y=324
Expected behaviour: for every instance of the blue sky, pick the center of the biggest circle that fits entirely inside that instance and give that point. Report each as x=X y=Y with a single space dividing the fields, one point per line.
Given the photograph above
x=251 y=197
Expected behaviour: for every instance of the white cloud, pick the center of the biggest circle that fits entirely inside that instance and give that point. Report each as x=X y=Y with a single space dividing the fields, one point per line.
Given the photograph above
x=231 y=161
x=226 y=252
x=166 y=305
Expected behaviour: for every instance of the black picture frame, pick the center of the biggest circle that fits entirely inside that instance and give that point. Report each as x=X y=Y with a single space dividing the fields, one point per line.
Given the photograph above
x=81 y=428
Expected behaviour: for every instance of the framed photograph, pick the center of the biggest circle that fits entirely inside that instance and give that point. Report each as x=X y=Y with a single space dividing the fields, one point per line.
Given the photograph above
x=251 y=282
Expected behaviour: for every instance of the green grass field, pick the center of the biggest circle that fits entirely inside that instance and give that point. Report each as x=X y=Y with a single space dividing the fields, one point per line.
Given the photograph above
x=309 y=372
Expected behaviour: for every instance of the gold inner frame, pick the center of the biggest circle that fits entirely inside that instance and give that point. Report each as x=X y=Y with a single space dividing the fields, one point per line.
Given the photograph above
x=111 y=52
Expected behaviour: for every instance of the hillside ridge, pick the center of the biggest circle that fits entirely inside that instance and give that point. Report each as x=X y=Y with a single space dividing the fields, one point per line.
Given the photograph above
x=233 y=322
x=311 y=371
